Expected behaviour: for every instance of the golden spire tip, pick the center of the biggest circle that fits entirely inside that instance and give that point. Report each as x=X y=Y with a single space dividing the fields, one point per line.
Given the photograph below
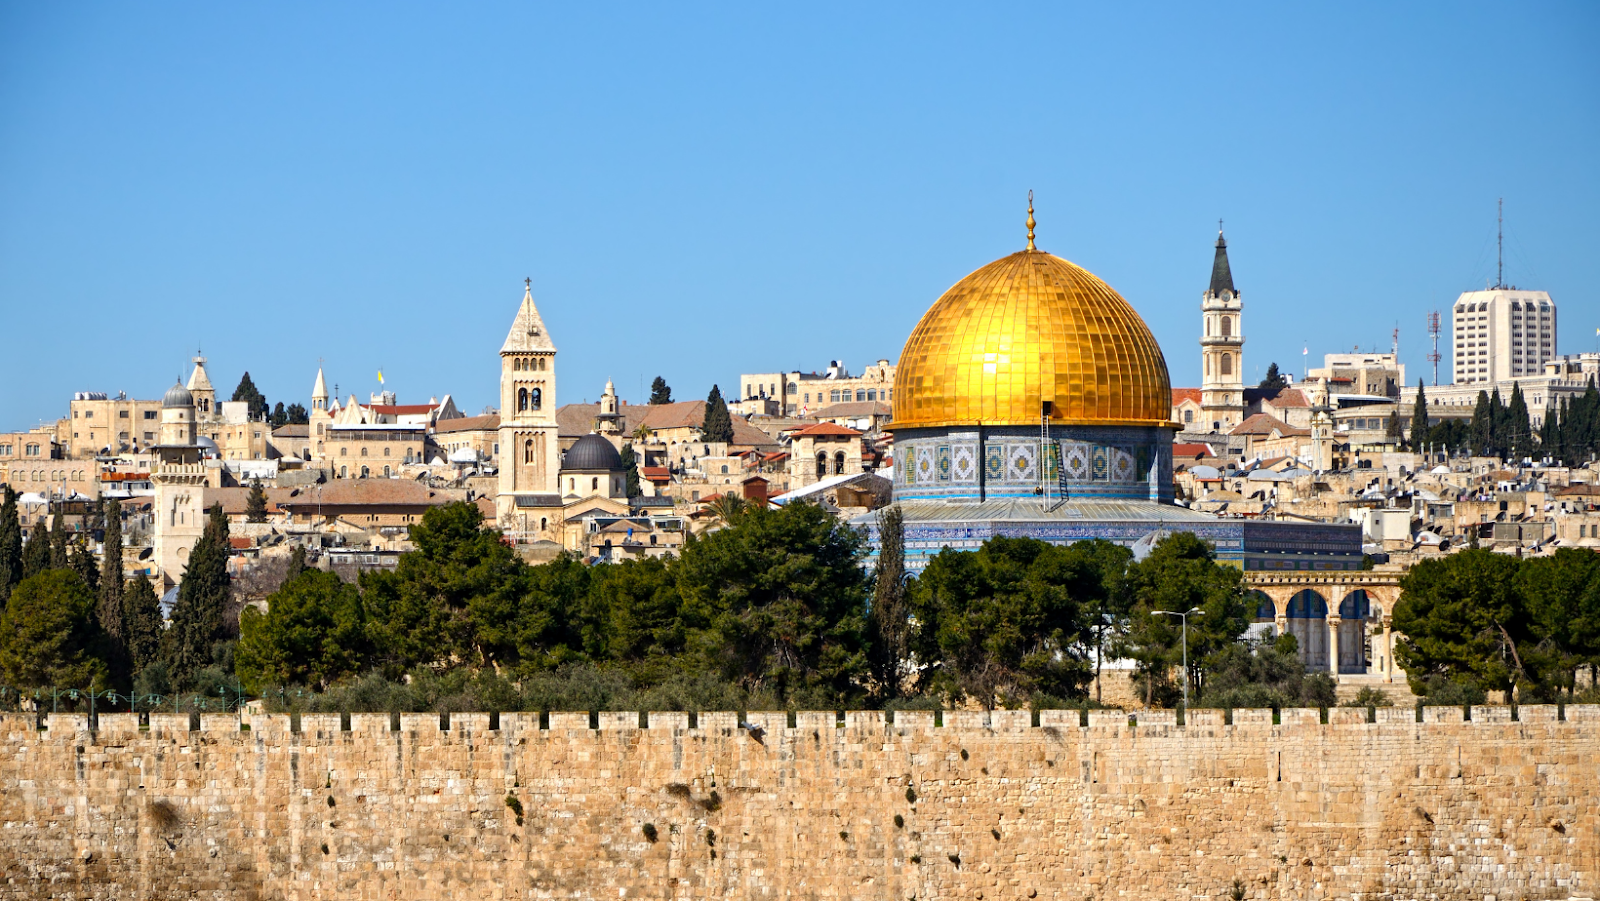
x=1031 y=223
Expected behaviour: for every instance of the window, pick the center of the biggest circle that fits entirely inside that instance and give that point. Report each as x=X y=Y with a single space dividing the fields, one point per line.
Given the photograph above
x=572 y=484
x=1227 y=327
x=364 y=472
x=386 y=472
x=838 y=463
x=522 y=400
x=872 y=394
x=793 y=388
x=537 y=398
x=344 y=472
x=1188 y=416
x=88 y=414
x=822 y=464
x=149 y=414
x=344 y=451
x=386 y=452
x=122 y=414
x=1227 y=364
x=833 y=396
x=594 y=484
x=860 y=394
x=724 y=469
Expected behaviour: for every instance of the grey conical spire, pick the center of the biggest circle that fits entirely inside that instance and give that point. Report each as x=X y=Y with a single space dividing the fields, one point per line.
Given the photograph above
x=1221 y=275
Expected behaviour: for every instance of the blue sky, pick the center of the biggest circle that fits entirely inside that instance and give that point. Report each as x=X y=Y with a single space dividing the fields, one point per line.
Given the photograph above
x=699 y=191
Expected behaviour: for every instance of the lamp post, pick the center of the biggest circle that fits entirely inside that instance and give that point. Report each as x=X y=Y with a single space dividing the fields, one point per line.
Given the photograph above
x=1192 y=611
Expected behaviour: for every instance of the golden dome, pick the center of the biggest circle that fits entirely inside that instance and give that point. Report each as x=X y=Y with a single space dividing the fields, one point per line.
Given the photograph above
x=1025 y=329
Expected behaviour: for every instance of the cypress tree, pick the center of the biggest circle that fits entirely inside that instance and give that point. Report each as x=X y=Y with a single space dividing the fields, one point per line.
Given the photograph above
x=718 y=425
x=255 y=506
x=660 y=391
x=248 y=393
x=1499 y=425
x=109 y=611
x=141 y=614
x=1419 y=419
x=630 y=465
x=1549 y=432
x=82 y=563
x=10 y=543
x=202 y=597
x=889 y=619
x=1519 y=432
x=1394 y=431
x=1482 y=422
x=297 y=564
x=58 y=539
x=36 y=553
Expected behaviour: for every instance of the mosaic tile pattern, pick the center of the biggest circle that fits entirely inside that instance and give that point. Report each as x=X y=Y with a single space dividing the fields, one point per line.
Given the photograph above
x=1022 y=462
x=964 y=463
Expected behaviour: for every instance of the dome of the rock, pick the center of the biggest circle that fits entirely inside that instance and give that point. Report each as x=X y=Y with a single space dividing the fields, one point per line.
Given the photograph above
x=1027 y=329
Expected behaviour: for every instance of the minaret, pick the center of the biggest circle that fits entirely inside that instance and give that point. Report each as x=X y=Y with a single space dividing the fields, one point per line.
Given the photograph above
x=1221 y=346
x=606 y=421
x=530 y=457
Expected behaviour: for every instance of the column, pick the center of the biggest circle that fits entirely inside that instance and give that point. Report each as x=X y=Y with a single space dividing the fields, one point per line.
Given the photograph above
x=1333 y=646
x=1388 y=643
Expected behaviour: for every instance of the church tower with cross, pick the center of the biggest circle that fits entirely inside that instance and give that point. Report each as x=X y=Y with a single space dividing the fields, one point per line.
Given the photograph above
x=528 y=503
x=1221 y=346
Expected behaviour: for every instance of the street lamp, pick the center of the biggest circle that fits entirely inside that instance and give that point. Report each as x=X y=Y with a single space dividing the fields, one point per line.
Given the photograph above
x=1192 y=611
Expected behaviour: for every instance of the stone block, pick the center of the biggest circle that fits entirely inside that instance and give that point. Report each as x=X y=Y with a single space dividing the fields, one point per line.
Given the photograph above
x=1108 y=719
x=219 y=722
x=420 y=723
x=67 y=724
x=568 y=721
x=618 y=720
x=1347 y=716
x=1156 y=718
x=869 y=720
x=913 y=721
x=1011 y=720
x=1443 y=714
x=119 y=723
x=816 y=720
x=1252 y=717
x=1583 y=713
x=267 y=723
x=771 y=722
x=677 y=719
x=516 y=726
x=969 y=720
x=1059 y=719
x=370 y=723
x=1391 y=715
x=474 y=724
x=706 y=722
x=170 y=723
x=323 y=726
x=1300 y=716
x=1537 y=713
x=1209 y=719
x=1491 y=714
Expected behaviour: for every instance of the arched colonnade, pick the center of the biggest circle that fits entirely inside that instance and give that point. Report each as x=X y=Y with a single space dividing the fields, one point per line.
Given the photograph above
x=1341 y=620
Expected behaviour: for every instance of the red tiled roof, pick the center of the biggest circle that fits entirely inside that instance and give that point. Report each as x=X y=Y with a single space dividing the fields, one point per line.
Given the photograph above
x=1264 y=424
x=1191 y=450
x=124 y=476
x=402 y=409
x=1290 y=397
x=824 y=429
x=1182 y=394
x=656 y=473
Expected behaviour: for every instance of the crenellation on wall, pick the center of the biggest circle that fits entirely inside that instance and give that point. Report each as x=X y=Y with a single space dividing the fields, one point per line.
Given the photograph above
x=1443 y=714
x=1583 y=713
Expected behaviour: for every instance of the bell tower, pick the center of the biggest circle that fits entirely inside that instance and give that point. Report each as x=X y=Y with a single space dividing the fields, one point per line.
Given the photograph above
x=530 y=460
x=1221 y=347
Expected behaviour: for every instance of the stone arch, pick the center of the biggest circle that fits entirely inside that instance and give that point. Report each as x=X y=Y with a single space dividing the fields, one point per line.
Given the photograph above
x=1266 y=606
x=1307 y=616
x=1227 y=364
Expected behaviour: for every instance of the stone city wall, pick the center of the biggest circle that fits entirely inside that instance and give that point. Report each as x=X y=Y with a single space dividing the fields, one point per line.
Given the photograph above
x=985 y=806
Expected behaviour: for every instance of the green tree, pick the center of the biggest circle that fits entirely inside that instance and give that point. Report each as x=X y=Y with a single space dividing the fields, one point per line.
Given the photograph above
x=634 y=619
x=718 y=425
x=1002 y=623
x=1181 y=574
x=1519 y=437
x=313 y=633
x=1419 y=419
x=779 y=601
x=297 y=563
x=630 y=465
x=197 y=614
x=1462 y=618
x=660 y=391
x=247 y=392
x=889 y=617
x=48 y=636
x=296 y=414
x=141 y=611
x=60 y=556
x=1393 y=430
x=83 y=563
x=10 y=542
x=36 y=553
x=1274 y=382
x=255 y=504
x=1264 y=674
x=279 y=416
x=1102 y=590
x=1482 y=426
x=1561 y=594
x=109 y=611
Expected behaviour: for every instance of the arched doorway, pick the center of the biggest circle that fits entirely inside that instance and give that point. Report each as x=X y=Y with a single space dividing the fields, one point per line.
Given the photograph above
x=1308 y=623
x=1266 y=610
x=1354 y=611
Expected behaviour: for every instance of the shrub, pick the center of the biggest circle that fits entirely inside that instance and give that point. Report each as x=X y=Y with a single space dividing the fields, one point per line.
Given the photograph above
x=649 y=830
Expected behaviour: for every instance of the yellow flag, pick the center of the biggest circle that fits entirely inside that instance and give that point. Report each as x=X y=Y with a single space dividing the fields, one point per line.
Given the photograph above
x=380 y=376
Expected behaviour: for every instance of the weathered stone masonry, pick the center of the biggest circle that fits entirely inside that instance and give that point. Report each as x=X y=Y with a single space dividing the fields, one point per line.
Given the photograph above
x=984 y=806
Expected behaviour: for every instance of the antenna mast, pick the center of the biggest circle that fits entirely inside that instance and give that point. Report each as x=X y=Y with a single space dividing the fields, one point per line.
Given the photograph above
x=1433 y=332
x=1396 y=348
x=1500 y=245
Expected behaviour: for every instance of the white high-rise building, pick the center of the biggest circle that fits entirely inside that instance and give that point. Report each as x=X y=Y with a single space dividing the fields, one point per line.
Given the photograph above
x=1501 y=334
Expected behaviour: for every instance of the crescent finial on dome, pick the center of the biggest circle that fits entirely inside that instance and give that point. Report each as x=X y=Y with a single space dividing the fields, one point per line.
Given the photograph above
x=1031 y=223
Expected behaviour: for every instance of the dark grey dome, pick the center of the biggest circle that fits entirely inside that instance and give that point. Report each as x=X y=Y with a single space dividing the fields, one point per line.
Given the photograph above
x=178 y=396
x=592 y=453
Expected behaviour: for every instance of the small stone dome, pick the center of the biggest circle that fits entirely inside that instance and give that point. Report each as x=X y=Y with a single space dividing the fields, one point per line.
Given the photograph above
x=178 y=396
x=592 y=453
